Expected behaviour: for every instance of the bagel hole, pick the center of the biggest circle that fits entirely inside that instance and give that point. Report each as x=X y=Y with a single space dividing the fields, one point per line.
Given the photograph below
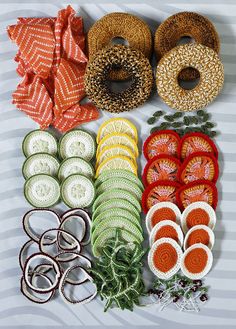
x=118 y=87
x=191 y=84
x=119 y=41
x=185 y=39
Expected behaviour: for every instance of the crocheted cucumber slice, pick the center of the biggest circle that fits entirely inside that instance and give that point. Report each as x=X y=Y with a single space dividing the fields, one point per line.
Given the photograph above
x=77 y=143
x=107 y=174
x=120 y=183
x=116 y=203
x=108 y=234
x=39 y=141
x=75 y=165
x=118 y=222
x=114 y=194
x=40 y=163
x=77 y=191
x=42 y=191
x=117 y=212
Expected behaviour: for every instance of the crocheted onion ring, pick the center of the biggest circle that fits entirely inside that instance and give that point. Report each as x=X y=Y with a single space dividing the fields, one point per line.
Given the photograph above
x=202 y=58
x=185 y=24
x=120 y=25
x=97 y=82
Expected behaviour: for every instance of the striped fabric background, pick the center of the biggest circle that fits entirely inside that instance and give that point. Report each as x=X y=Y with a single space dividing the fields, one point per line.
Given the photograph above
x=15 y=310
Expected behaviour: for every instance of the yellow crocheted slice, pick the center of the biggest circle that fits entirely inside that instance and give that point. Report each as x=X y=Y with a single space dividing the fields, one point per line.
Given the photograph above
x=116 y=162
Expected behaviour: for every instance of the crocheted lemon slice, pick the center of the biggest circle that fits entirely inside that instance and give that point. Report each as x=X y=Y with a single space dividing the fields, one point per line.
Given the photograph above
x=117 y=125
x=116 y=162
x=121 y=139
x=110 y=151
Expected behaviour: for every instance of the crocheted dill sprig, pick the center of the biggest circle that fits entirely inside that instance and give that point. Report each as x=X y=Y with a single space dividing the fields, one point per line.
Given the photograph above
x=118 y=273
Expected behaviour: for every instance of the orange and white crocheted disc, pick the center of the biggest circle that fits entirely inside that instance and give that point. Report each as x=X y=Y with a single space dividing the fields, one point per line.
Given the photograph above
x=199 y=190
x=164 y=142
x=160 y=212
x=200 y=165
x=196 y=142
x=161 y=167
x=196 y=261
x=199 y=234
x=164 y=258
x=166 y=229
x=160 y=191
x=198 y=213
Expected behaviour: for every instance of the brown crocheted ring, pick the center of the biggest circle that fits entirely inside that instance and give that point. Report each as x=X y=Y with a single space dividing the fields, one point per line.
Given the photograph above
x=120 y=25
x=185 y=24
x=200 y=57
x=97 y=82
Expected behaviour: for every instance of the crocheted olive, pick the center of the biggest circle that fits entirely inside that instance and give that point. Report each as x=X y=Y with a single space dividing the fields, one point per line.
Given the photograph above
x=120 y=25
x=185 y=24
x=97 y=78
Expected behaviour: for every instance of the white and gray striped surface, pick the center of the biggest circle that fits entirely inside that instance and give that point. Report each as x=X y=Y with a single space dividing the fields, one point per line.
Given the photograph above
x=15 y=310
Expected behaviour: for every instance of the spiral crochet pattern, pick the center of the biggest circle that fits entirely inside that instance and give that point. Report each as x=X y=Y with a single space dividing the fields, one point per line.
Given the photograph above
x=119 y=25
x=185 y=24
x=97 y=82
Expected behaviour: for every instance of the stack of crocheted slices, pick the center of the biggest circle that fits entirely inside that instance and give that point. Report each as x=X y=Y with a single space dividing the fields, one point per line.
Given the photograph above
x=180 y=241
x=178 y=170
x=118 y=189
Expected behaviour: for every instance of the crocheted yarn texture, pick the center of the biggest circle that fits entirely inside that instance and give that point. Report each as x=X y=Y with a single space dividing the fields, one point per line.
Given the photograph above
x=185 y=24
x=119 y=25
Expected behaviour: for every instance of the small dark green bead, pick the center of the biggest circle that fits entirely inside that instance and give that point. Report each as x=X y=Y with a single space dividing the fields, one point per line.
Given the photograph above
x=155 y=129
x=177 y=124
x=200 y=113
x=209 y=124
x=178 y=115
x=158 y=114
x=151 y=120
x=186 y=121
x=206 y=117
x=195 y=120
x=212 y=133
x=169 y=118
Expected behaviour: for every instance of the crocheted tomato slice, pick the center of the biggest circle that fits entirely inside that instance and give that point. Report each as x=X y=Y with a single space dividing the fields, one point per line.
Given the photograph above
x=200 y=165
x=196 y=142
x=161 y=142
x=159 y=192
x=161 y=167
x=200 y=190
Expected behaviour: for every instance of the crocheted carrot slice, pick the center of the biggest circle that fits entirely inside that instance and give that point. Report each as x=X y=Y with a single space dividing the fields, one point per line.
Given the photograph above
x=166 y=229
x=158 y=192
x=161 y=167
x=196 y=261
x=162 y=211
x=164 y=258
x=161 y=142
x=199 y=190
x=196 y=142
x=199 y=234
x=198 y=213
x=200 y=165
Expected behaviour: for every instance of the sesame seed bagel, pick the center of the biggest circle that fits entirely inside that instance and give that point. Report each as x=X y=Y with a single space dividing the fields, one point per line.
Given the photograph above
x=97 y=79
x=185 y=24
x=120 y=25
x=203 y=59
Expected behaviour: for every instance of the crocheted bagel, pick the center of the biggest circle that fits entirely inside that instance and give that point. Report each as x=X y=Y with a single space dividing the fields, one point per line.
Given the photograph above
x=185 y=24
x=202 y=58
x=120 y=25
x=97 y=82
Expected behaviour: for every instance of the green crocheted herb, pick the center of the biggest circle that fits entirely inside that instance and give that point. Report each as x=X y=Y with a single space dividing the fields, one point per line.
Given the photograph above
x=155 y=129
x=177 y=124
x=200 y=113
x=179 y=290
x=209 y=124
x=165 y=125
x=158 y=114
x=195 y=120
x=151 y=120
x=178 y=115
x=205 y=117
x=169 y=118
x=118 y=273
x=186 y=121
